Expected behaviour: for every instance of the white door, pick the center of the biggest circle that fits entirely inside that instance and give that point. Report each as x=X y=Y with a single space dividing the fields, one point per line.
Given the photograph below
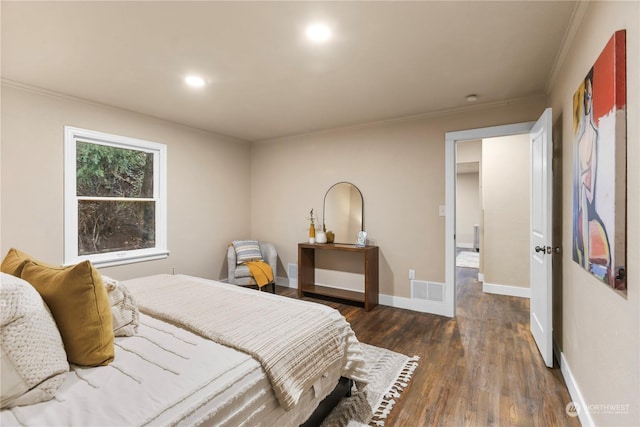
x=541 y=322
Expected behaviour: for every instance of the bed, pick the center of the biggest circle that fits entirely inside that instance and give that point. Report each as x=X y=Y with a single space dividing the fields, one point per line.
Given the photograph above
x=206 y=353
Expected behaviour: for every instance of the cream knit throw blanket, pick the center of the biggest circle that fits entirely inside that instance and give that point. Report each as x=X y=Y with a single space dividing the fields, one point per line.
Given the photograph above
x=295 y=343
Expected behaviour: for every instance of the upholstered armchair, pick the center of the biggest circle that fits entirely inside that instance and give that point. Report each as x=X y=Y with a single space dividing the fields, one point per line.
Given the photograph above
x=239 y=273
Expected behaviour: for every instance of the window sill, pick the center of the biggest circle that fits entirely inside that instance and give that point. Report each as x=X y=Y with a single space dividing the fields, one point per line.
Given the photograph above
x=120 y=258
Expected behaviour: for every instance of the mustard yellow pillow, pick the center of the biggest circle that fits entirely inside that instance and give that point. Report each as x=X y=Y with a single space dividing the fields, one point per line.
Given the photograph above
x=80 y=306
x=14 y=261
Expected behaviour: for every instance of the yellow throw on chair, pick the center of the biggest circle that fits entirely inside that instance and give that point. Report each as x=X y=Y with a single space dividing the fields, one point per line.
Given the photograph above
x=261 y=272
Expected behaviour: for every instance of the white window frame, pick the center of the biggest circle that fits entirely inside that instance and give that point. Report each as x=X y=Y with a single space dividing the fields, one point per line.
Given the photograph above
x=71 y=136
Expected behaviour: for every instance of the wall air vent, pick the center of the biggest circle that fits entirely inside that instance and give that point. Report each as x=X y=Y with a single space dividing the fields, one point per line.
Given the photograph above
x=292 y=272
x=429 y=291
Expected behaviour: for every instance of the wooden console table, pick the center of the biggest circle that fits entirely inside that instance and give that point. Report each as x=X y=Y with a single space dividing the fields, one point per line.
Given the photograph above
x=307 y=273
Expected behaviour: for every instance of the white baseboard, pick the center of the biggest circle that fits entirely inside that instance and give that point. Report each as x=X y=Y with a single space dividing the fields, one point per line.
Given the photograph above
x=287 y=282
x=280 y=281
x=464 y=245
x=414 y=304
x=577 y=398
x=514 y=291
x=480 y=277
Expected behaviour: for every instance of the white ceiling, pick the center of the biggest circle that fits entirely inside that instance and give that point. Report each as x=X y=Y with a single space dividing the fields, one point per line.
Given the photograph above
x=264 y=79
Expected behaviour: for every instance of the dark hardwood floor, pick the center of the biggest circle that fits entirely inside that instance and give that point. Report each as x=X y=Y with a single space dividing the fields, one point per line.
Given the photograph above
x=480 y=369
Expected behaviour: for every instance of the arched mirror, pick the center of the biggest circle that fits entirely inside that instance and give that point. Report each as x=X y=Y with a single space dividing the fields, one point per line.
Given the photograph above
x=343 y=212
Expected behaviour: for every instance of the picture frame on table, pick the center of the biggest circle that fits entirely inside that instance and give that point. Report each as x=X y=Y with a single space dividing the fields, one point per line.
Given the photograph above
x=361 y=240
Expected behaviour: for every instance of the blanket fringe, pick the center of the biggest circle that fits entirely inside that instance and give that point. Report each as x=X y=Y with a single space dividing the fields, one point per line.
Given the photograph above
x=395 y=390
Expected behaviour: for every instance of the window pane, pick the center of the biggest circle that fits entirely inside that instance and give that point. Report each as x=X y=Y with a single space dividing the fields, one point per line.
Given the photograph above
x=103 y=171
x=105 y=226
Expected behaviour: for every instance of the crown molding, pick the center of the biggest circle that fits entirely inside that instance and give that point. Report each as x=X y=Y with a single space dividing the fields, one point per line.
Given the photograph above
x=421 y=116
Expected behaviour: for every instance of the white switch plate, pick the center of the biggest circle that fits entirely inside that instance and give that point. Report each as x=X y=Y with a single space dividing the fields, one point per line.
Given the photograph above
x=442 y=210
x=412 y=274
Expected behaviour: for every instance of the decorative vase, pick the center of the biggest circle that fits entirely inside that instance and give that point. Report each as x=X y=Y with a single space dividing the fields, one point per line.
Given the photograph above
x=330 y=236
x=312 y=233
x=321 y=237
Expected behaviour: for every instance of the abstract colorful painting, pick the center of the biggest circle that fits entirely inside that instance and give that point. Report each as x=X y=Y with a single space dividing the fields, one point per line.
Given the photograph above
x=599 y=167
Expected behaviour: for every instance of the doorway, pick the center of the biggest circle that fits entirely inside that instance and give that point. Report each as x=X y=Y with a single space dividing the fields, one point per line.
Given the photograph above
x=493 y=213
x=469 y=214
x=452 y=138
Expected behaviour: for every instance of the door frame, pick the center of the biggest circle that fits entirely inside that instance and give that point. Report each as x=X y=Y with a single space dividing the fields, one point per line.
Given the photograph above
x=451 y=139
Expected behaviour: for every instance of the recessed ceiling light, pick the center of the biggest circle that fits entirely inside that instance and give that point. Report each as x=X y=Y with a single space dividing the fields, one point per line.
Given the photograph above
x=472 y=98
x=194 y=81
x=318 y=33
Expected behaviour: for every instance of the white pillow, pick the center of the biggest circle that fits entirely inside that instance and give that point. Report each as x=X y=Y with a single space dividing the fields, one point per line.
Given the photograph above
x=123 y=308
x=33 y=361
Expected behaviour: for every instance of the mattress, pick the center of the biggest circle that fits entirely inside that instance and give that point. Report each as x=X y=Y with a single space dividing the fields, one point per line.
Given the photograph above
x=167 y=375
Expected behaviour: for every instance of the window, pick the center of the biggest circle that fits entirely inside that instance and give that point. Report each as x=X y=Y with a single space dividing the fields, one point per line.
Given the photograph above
x=115 y=198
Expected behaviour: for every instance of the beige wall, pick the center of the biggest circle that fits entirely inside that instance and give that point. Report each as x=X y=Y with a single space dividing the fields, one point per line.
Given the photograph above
x=505 y=207
x=208 y=199
x=600 y=334
x=398 y=166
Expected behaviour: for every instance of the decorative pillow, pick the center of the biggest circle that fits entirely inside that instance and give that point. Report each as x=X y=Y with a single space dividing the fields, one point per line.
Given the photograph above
x=80 y=306
x=247 y=250
x=123 y=308
x=14 y=261
x=33 y=360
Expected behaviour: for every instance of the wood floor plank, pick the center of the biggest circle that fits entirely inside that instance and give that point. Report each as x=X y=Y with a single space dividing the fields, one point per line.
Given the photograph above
x=480 y=369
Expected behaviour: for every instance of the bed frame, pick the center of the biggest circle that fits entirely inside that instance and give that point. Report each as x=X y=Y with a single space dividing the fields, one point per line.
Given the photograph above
x=343 y=389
